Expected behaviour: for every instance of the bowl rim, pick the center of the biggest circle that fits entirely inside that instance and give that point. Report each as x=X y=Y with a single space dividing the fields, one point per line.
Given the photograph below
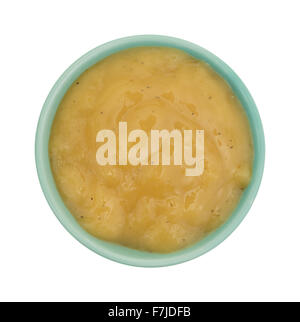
x=117 y=252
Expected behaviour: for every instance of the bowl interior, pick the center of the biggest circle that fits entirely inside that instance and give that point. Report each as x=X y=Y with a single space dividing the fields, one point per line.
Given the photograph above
x=113 y=251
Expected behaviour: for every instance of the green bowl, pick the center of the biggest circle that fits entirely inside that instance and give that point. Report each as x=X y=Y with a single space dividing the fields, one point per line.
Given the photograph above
x=120 y=253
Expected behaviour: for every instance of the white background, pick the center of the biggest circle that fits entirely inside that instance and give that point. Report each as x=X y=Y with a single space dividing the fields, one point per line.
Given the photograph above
x=39 y=260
